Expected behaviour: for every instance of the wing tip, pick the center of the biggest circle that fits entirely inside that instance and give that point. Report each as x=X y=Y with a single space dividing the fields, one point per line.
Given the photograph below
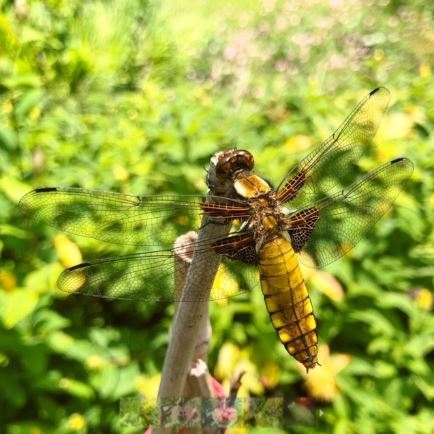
x=380 y=89
x=405 y=161
x=78 y=266
x=399 y=159
x=45 y=189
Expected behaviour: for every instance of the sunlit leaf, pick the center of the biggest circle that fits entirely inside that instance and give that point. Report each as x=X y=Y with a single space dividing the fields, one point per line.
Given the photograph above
x=16 y=305
x=68 y=252
x=43 y=279
x=120 y=173
x=76 y=388
x=328 y=285
x=227 y=359
x=12 y=187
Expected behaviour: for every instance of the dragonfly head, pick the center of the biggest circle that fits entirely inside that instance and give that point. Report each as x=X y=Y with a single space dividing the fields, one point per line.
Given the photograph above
x=224 y=168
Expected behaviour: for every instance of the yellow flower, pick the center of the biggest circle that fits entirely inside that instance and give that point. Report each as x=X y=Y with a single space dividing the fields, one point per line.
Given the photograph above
x=76 y=422
x=425 y=70
x=423 y=298
x=8 y=280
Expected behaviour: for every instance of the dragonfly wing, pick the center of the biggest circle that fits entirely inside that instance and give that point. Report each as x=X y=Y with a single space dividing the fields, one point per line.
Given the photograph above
x=113 y=217
x=132 y=277
x=149 y=276
x=151 y=221
x=347 y=216
x=143 y=276
x=241 y=247
x=332 y=164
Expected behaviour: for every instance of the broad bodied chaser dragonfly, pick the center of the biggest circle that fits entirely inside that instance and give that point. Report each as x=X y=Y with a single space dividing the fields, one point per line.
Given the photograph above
x=318 y=208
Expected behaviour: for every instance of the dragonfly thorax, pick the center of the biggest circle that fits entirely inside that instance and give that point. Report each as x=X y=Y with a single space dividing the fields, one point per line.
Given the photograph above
x=268 y=218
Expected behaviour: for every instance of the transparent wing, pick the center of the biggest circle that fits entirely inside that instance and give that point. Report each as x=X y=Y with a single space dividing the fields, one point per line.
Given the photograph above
x=347 y=216
x=147 y=277
x=331 y=166
x=153 y=221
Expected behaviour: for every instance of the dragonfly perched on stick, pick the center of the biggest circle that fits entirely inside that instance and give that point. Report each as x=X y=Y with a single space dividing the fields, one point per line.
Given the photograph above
x=318 y=208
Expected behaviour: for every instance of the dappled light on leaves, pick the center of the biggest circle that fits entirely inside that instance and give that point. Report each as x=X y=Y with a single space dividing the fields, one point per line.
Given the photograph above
x=123 y=98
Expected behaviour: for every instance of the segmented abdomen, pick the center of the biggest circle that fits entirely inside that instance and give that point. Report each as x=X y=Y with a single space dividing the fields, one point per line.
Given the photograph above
x=288 y=301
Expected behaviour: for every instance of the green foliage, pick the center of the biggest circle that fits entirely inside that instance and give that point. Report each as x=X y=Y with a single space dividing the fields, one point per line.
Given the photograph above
x=135 y=96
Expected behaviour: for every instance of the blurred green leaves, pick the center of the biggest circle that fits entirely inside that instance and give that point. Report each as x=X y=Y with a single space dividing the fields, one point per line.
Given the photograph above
x=135 y=96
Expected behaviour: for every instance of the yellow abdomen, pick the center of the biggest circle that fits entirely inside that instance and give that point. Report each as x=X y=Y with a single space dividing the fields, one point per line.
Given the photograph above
x=288 y=301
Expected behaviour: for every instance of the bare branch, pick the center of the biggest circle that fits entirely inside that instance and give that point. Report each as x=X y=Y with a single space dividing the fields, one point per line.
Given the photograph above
x=191 y=330
x=189 y=315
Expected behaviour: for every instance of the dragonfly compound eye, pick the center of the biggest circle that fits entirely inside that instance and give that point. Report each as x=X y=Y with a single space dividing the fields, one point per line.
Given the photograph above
x=234 y=161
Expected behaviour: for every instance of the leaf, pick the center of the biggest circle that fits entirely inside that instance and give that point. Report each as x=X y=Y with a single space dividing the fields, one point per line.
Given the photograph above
x=377 y=322
x=13 y=188
x=68 y=252
x=76 y=388
x=47 y=321
x=328 y=285
x=16 y=305
x=426 y=387
x=43 y=279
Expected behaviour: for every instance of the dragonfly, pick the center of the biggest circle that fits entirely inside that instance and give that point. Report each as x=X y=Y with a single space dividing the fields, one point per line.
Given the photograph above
x=318 y=211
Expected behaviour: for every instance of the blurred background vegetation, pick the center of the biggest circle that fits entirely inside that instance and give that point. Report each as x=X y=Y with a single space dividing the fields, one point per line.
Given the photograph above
x=135 y=96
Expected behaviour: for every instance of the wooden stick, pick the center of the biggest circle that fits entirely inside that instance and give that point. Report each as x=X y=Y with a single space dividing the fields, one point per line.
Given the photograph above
x=190 y=314
x=190 y=330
